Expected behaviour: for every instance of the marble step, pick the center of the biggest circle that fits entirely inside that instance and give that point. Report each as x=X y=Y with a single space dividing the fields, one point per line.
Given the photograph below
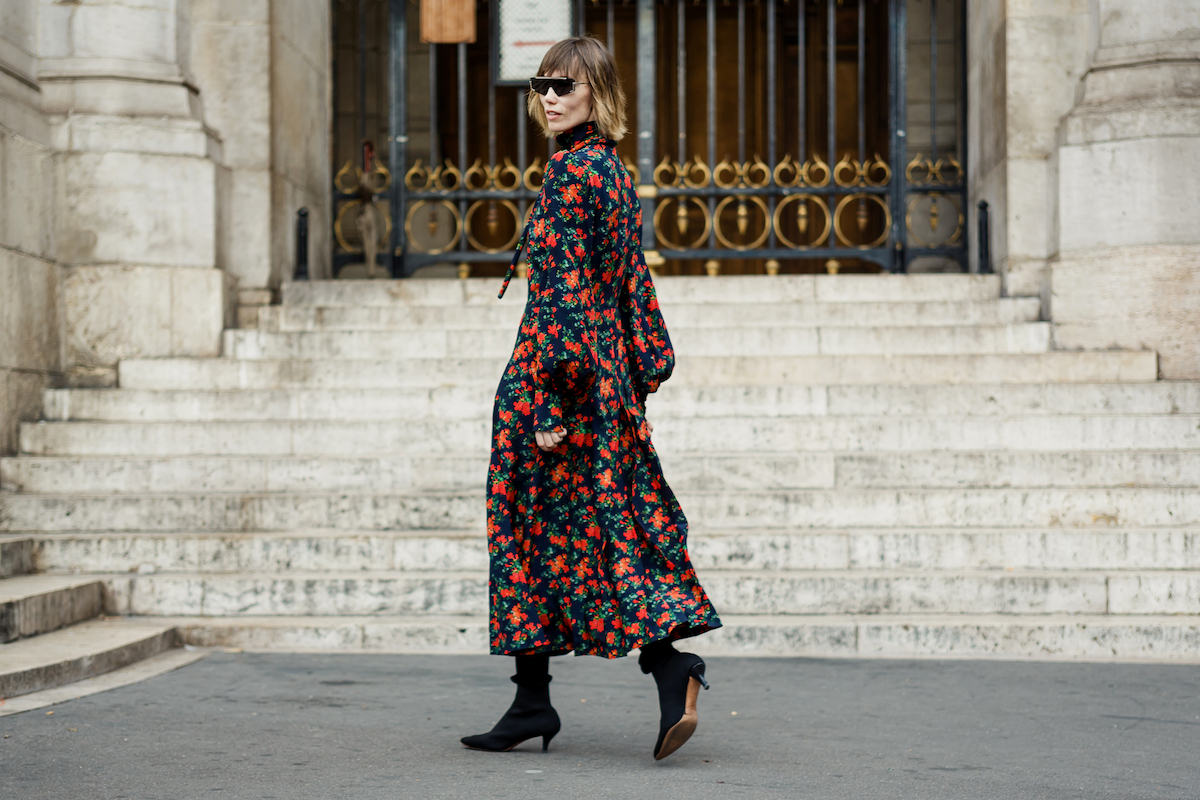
x=316 y=551
x=16 y=555
x=737 y=510
x=688 y=342
x=732 y=592
x=988 y=400
x=685 y=471
x=505 y=317
x=671 y=289
x=224 y=374
x=81 y=651
x=33 y=604
x=715 y=436
x=1101 y=637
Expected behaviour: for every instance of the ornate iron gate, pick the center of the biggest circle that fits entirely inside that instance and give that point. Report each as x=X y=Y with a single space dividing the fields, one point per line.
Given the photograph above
x=847 y=153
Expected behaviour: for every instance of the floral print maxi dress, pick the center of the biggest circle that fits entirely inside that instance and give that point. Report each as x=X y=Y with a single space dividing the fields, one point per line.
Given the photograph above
x=587 y=544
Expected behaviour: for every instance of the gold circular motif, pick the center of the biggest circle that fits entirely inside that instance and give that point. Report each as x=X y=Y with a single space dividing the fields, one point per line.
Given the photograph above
x=512 y=208
x=665 y=166
x=448 y=171
x=699 y=239
x=912 y=206
x=340 y=179
x=534 y=170
x=817 y=163
x=340 y=235
x=845 y=201
x=458 y=225
x=476 y=176
x=824 y=212
x=785 y=165
x=758 y=201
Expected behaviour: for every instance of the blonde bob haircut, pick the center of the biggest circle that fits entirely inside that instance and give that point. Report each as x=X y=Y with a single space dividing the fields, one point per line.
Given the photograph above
x=586 y=60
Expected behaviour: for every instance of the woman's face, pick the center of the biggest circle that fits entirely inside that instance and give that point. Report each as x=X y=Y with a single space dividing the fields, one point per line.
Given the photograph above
x=570 y=110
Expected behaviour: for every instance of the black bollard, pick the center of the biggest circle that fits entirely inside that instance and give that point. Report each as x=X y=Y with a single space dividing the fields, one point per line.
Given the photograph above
x=301 y=245
x=985 y=252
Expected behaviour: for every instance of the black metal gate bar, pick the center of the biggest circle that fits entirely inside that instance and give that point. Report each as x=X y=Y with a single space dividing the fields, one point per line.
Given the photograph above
x=712 y=111
x=362 y=72
x=398 y=128
x=862 y=69
x=522 y=144
x=933 y=156
x=646 y=59
x=681 y=78
x=435 y=158
x=802 y=86
x=462 y=138
x=741 y=80
x=831 y=80
x=612 y=25
x=771 y=89
x=831 y=188
x=898 y=118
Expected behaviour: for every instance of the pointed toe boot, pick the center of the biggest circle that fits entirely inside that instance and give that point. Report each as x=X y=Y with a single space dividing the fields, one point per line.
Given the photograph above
x=679 y=680
x=529 y=717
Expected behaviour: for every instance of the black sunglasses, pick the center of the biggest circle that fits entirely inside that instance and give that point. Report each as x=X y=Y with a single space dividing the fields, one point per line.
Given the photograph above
x=560 y=86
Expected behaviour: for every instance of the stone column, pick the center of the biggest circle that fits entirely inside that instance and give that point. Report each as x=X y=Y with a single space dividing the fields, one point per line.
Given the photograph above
x=300 y=133
x=30 y=345
x=1025 y=59
x=263 y=70
x=140 y=185
x=231 y=63
x=1128 y=268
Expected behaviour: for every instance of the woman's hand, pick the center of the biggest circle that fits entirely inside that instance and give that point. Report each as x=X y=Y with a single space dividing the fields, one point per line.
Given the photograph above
x=548 y=441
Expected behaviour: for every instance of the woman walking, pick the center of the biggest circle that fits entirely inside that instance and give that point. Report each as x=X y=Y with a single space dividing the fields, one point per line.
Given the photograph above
x=587 y=543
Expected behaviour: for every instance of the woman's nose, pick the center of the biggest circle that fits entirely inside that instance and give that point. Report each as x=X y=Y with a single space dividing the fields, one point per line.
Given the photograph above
x=551 y=96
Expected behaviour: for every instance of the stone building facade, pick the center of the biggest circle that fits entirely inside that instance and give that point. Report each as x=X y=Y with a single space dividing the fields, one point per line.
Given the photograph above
x=208 y=451
x=154 y=154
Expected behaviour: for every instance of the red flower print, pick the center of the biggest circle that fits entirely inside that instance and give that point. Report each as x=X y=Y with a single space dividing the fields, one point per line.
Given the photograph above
x=587 y=545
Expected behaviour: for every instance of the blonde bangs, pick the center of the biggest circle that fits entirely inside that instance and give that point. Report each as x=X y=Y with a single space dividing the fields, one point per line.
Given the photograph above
x=585 y=59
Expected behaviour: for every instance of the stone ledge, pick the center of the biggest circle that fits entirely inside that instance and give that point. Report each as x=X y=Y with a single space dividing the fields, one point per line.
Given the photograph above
x=81 y=651
x=1059 y=638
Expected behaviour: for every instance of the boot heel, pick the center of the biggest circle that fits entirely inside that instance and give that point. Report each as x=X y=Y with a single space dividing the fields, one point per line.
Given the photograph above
x=546 y=741
x=697 y=672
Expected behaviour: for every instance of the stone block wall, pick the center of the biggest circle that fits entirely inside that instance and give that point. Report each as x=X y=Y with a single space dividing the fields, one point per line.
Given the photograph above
x=1127 y=269
x=30 y=275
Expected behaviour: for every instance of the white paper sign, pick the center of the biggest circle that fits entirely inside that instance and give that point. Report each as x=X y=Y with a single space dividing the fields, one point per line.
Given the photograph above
x=527 y=29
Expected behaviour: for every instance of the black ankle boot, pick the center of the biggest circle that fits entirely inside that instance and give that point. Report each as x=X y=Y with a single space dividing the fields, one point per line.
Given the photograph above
x=679 y=677
x=529 y=717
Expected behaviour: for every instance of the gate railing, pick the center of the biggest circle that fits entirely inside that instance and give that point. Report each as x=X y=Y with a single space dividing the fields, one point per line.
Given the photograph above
x=867 y=190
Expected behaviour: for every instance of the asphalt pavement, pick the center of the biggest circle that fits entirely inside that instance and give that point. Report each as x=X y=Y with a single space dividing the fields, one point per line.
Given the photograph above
x=325 y=727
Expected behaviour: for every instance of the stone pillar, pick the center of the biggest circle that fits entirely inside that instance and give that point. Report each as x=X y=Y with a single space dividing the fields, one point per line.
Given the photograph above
x=1128 y=267
x=30 y=275
x=231 y=62
x=140 y=185
x=263 y=71
x=1025 y=59
x=300 y=134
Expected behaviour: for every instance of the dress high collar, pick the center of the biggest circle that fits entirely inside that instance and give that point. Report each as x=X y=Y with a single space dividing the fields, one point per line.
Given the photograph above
x=571 y=139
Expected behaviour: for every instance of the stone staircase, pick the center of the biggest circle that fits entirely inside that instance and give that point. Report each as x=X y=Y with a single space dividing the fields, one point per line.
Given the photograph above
x=872 y=465
x=51 y=633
